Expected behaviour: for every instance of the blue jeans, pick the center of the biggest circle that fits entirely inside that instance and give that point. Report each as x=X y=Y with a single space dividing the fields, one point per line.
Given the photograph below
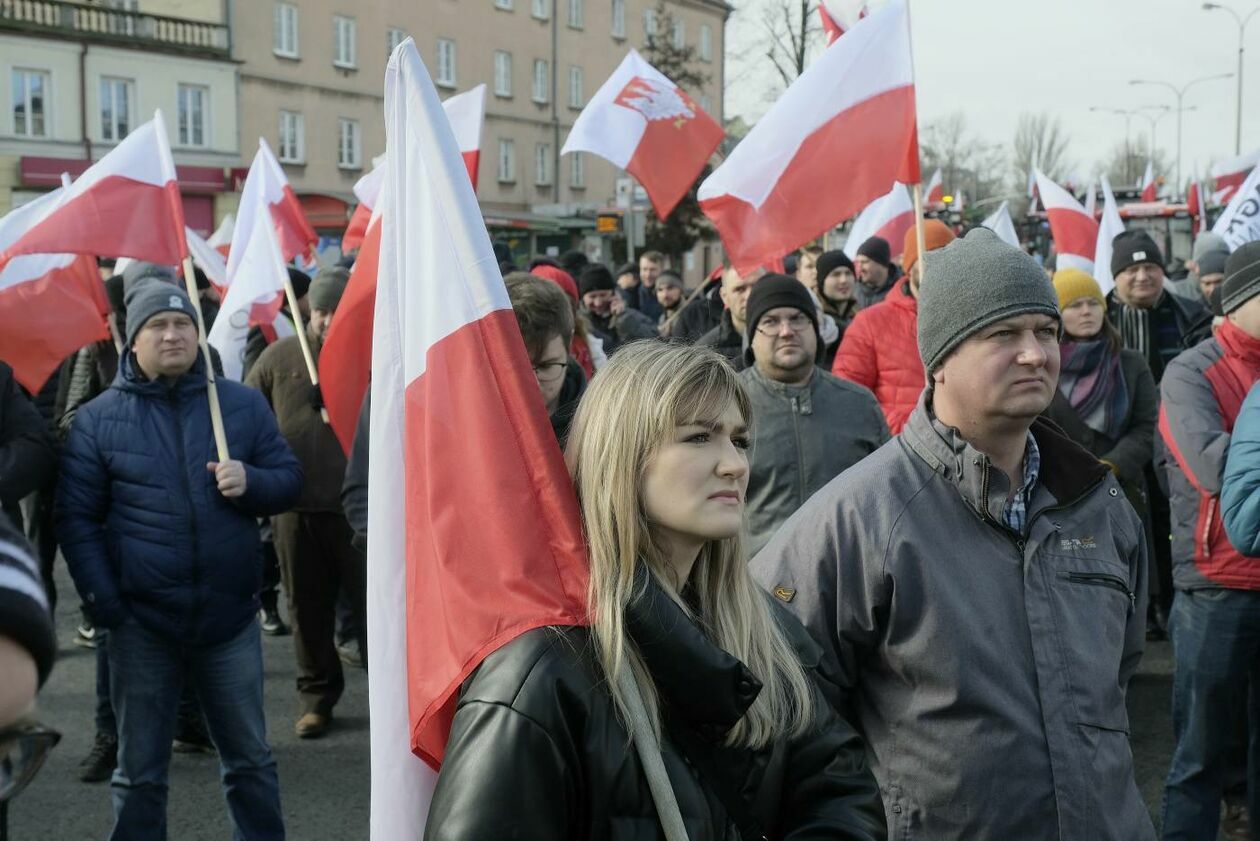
x=146 y=673
x=1216 y=644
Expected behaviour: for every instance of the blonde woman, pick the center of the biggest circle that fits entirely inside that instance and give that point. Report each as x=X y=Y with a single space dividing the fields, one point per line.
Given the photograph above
x=540 y=747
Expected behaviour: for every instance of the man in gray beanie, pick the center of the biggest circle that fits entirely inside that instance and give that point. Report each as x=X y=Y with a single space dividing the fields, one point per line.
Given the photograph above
x=978 y=583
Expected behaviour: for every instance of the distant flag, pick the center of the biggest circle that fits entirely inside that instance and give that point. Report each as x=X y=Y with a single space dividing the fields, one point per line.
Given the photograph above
x=207 y=258
x=446 y=591
x=1091 y=200
x=1229 y=175
x=221 y=239
x=889 y=217
x=1239 y=222
x=642 y=122
x=1148 y=186
x=1196 y=206
x=267 y=189
x=467 y=113
x=1075 y=232
x=847 y=122
x=935 y=192
x=1109 y=228
x=1000 y=223
x=839 y=16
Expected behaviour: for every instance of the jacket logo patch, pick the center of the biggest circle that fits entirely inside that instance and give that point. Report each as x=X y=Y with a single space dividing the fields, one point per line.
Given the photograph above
x=784 y=593
x=1067 y=544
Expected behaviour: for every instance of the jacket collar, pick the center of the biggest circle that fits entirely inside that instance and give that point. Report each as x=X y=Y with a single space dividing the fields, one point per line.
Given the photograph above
x=1068 y=471
x=697 y=681
x=783 y=391
x=901 y=296
x=130 y=378
x=1238 y=344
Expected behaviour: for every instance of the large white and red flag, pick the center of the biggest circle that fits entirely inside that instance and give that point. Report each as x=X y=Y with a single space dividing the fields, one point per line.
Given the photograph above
x=445 y=589
x=1148 y=186
x=1228 y=175
x=126 y=204
x=889 y=217
x=266 y=189
x=1000 y=223
x=1239 y=222
x=1109 y=227
x=848 y=122
x=50 y=304
x=642 y=122
x=839 y=16
x=934 y=195
x=1075 y=232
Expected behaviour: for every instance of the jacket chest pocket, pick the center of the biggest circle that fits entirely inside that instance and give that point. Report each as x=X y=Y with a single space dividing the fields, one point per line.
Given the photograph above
x=1093 y=602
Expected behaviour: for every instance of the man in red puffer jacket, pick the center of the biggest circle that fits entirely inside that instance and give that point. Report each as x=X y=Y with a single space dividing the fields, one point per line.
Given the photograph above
x=880 y=349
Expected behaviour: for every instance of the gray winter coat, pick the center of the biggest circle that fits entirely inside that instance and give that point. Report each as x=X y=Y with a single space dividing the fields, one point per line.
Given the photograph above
x=987 y=669
x=803 y=437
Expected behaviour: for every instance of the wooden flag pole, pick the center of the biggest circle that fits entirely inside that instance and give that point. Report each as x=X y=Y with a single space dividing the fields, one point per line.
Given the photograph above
x=920 y=238
x=212 y=387
x=291 y=295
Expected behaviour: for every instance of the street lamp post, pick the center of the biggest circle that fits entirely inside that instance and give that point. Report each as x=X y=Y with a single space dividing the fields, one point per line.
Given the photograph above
x=1127 y=113
x=1179 y=93
x=1242 y=31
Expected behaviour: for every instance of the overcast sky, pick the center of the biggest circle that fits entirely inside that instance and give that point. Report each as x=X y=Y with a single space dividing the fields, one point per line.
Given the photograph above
x=993 y=59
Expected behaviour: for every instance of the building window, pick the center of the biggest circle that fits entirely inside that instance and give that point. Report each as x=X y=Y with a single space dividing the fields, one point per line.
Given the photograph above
x=343 y=42
x=349 y=145
x=446 y=63
x=284 y=39
x=542 y=9
x=706 y=42
x=618 y=18
x=393 y=38
x=507 y=161
x=577 y=171
x=506 y=5
x=502 y=73
x=30 y=103
x=649 y=24
x=542 y=164
x=680 y=35
x=115 y=108
x=576 y=97
x=193 y=102
x=703 y=101
x=292 y=144
x=542 y=80
x=577 y=14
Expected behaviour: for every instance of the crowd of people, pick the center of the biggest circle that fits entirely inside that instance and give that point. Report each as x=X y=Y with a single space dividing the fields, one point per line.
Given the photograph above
x=866 y=536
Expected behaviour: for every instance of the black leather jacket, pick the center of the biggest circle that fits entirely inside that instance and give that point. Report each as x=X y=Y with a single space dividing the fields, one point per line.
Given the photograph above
x=537 y=751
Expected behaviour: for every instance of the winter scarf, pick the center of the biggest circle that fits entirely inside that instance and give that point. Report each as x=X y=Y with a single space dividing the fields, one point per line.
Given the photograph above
x=1091 y=380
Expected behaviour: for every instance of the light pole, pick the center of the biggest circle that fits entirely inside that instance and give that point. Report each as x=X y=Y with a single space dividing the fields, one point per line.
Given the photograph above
x=1179 y=93
x=1242 y=30
x=1127 y=113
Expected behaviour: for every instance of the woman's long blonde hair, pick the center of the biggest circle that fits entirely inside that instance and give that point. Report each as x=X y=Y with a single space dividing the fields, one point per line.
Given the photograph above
x=631 y=408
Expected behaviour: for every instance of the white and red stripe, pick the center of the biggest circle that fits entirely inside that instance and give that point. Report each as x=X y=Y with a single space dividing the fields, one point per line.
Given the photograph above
x=1074 y=231
x=366 y=190
x=833 y=142
x=642 y=122
x=267 y=189
x=467 y=114
x=1228 y=175
x=221 y=239
x=935 y=192
x=888 y=217
x=445 y=591
x=1109 y=227
x=839 y=16
x=1000 y=223
x=127 y=204
x=1239 y=222
x=1148 y=186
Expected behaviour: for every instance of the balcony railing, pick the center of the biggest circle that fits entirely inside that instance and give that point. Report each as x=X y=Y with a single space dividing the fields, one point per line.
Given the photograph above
x=101 y=24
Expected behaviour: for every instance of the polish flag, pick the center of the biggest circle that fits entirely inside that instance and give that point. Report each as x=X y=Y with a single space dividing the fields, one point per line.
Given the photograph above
x=467 y=113
x=1229 y=175
x=1074 y=231
x=831 y=144
x=839 y=16
x=50 y=304
x=1110 y=227
x=221 y=239
x=445 y=591
x=643 y=123
x=888 y=217
x=207 y=258
x=1000 y=223
x=267 y=189
x=1148 y=186
x=126 y=204
x=366 y=190
x=935 y=193
x=1194 y=204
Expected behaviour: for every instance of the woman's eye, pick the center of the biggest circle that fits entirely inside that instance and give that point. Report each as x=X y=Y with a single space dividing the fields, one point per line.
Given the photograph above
x=741 y=442
x=698 y=438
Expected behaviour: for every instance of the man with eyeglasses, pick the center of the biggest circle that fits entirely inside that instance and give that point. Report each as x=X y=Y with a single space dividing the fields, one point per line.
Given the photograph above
x=546 y=320
x=810 y=426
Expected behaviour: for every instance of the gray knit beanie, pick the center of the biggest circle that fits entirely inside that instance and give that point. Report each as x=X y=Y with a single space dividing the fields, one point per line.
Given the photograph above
x=150 y=297
x=1206 y=242
x=327 y=288
x=972 y=282
x=1242 y=277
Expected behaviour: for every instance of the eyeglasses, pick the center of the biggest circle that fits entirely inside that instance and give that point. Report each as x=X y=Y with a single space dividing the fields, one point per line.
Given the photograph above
x=771 y=326
x=549 y=372
x=23 y=749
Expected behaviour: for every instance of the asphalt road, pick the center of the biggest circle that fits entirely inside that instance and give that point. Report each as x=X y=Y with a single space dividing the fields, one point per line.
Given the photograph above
x=324 y=783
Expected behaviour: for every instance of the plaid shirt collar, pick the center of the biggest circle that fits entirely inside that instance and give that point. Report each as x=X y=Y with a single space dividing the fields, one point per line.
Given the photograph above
x=1015 y=514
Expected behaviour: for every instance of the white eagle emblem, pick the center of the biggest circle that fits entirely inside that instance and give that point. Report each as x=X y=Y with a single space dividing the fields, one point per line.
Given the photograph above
x=656 y=101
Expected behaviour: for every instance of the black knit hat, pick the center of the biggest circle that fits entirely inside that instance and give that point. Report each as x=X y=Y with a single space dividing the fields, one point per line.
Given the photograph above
x=1242 y=277
x=301 y=282
x=778 y=290
x=877 y=249
x=595 y=277
x=1132 y=247
x=829 y=261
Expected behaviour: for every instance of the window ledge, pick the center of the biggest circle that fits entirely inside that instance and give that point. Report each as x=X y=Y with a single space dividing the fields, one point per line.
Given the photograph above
x=509 y=182
x=503 y=95
x=350 y=167
x=451 y=85
x=341 y=65
x=292 y=161
x=286 y=56
x=577 y=186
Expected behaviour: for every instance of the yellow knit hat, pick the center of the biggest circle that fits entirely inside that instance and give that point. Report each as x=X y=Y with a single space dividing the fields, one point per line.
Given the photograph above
x=1074 y=283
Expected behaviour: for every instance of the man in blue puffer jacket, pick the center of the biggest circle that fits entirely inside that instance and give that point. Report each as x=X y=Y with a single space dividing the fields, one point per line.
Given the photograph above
x=162 y=541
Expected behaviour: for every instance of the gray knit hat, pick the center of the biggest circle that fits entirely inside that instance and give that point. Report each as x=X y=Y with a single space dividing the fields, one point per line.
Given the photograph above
x=327 y=288
x=1208 y=241
x=150 y=297
x=972 y=282
x=139 y=271
x=1242 y=277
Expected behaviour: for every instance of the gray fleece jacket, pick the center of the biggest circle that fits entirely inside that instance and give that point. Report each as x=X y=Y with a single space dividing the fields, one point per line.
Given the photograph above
x=987 y=669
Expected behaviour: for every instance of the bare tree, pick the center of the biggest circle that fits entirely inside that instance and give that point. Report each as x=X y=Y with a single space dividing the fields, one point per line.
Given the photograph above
x=1127 y=164
x=966 y=162
x=1040 y=141
x=792 y=28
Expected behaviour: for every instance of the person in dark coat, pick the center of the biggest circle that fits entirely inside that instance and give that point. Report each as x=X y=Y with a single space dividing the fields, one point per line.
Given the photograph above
x=837 y=292
x=540 y=745
x=876 y=272
x=606 y=314
x=700 y=314
x=161 y=538
x=729 y=336
x=28 y=453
